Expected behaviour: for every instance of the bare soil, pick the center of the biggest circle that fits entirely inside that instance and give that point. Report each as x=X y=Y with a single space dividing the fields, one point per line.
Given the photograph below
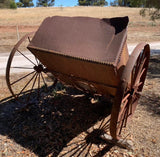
x=63 y=124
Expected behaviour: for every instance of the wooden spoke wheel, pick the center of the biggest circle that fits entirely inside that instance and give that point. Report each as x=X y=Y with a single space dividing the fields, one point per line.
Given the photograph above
x=25 y=75
x=130 y=89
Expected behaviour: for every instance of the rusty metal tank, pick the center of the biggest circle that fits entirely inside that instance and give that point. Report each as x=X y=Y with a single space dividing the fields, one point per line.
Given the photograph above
x=88 y=53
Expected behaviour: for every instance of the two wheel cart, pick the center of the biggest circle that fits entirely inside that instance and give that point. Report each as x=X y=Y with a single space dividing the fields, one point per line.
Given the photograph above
x=87 y=53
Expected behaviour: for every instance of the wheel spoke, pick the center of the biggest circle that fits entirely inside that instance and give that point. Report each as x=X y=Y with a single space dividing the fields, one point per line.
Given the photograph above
x=143 y=55
x=44 y=81
x=120 y=126
x=139 y=84
x=21 y=68
x=27 y=84
x=37 y=61
x=26 y=57
x=142 y=73
x=141 y=58
x=130 y=107
x=130 y=113
x=139 y=71
x=29 y=39
x=21 y=78
x=134 y=102
x=125 y=98
x=142 y=65
x=34 y=82
x=122 y=121
x=139 y=76
x=124 y=105
x=137 y=68
x=126 y=115
x=38 y=85
x=133 y=76
x=122 y=113
x=138 y=94
x=137 y=65
x=32 y=87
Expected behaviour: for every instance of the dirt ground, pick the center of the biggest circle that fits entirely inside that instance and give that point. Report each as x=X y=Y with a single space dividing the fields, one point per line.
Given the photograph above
x=65 y=125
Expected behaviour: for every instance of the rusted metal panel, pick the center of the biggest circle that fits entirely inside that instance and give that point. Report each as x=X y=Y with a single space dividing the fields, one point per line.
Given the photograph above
x=80 y=70
x=99 y=40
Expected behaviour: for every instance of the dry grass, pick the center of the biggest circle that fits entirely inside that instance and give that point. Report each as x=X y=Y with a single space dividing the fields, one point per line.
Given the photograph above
x=34 y=16
x=29 y=19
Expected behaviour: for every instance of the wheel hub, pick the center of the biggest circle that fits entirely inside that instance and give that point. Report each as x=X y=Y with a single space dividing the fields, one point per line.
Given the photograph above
x=132 y=91
x=39 y=68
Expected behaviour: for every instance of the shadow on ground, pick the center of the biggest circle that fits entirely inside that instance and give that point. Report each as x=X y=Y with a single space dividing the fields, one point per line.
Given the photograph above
x=150 y=99
x=154 y=67
x=152 y=103
x=48 y=126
